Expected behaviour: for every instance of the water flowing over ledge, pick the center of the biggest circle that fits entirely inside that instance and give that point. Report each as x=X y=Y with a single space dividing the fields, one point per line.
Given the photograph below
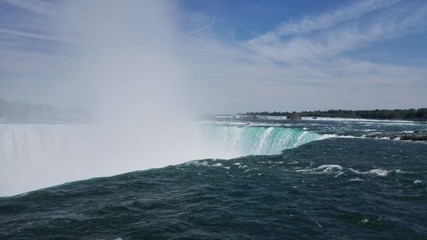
x=36 y=155
x=40 y=155
x=230 y=141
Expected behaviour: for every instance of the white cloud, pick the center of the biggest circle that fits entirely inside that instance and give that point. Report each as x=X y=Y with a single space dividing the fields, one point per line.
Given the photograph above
x=310 y=55
x=332 y=42
x=314 y=69
x=325 y=20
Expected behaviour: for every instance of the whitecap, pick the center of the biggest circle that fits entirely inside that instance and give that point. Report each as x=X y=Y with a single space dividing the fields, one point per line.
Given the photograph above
x=364 y=221
x=417 y=181
x=407 y=131
x=378 y=172
x=198 y=163
x=355 y=171
x=328 y=168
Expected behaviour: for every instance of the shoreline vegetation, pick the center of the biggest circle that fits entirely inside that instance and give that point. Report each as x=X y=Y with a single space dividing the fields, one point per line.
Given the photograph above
x=377 y=114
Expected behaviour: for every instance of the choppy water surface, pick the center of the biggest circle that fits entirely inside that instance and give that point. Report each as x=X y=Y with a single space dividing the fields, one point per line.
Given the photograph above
x=331 y=188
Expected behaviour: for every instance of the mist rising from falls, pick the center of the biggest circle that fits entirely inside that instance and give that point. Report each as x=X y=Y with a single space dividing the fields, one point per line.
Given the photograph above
x=121 y=63
x=126 y=67
x=34 y=156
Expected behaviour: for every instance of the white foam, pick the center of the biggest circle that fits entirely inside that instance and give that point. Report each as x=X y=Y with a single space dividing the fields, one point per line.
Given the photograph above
x=369 y=130
x=328 y=168
x=355 y=171
x=417 y=181
x=407 y=131
x=204 y=164
x=217 y=165
x=379 y=172
x=376 y=171
x=198 y=163
x=338 y=136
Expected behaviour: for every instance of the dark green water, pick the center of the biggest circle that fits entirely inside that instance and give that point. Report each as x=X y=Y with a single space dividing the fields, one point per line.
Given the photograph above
x=337 y=188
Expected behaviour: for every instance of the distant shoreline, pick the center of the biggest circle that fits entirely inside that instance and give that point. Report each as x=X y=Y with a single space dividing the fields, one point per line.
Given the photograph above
x=377 y=114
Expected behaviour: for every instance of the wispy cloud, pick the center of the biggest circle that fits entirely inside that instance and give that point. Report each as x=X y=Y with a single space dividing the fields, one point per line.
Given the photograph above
x=325 y=20
x=40 y=7
x=310 y=60
x=332 y=41
x=26 y=26
x=301 y=63
x=19 y=34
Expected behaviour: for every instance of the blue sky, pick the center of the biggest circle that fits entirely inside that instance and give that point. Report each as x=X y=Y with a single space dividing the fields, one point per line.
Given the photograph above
x=227 y=56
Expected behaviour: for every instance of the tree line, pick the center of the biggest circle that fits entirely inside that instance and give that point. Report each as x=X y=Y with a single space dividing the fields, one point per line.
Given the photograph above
x=383 y=114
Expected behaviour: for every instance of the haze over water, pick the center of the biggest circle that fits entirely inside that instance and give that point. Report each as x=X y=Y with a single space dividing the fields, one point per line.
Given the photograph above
x=122 y=63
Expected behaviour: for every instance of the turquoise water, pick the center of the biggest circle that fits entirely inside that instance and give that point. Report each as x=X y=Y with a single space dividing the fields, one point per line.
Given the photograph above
x=239 y=140
x=343 y=183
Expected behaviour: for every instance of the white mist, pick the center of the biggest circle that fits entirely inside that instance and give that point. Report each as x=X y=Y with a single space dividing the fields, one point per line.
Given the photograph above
x=122 y=65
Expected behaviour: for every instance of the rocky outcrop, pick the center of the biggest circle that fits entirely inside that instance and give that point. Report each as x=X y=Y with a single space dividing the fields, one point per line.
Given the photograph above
x=405 y=137
x=294 y=117
x=414 y=137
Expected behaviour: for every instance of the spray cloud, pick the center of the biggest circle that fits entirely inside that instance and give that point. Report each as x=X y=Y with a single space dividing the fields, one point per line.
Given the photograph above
x=121 y=64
